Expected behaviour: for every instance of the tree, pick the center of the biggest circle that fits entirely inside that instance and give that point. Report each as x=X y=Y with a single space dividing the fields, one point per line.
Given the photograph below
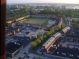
x=38 y=41
x=62 y=26
x=44 y=36
x=34 y=44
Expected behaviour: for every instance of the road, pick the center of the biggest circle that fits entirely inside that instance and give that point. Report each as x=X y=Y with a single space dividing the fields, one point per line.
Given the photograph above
x=31 y=55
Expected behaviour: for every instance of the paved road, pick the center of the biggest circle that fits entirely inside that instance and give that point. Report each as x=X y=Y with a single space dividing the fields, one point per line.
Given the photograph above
x=21 y=53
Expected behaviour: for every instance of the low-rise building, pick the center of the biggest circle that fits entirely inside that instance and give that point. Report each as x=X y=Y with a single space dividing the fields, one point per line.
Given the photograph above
x=13 y=49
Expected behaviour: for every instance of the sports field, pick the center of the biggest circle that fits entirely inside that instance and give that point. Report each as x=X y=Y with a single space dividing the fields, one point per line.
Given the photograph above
x=40 y=21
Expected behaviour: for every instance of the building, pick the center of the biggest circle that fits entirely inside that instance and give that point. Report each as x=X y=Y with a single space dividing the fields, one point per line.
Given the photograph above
x=13 y=49
x=32 y=35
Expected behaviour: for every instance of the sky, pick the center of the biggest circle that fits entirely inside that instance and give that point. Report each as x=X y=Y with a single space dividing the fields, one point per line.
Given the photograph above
x=43 y=1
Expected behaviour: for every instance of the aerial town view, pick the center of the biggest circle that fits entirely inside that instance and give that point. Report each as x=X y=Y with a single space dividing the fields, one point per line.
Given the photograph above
x=42 y=30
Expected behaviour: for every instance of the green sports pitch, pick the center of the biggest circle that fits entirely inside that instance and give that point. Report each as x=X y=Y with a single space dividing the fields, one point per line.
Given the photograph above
x=39 y=21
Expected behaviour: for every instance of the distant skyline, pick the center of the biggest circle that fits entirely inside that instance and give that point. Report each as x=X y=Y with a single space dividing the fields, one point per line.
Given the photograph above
x=42 y=1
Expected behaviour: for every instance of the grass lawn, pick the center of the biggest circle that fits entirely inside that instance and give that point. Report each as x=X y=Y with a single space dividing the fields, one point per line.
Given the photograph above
x=75 y=21
x=40 y=21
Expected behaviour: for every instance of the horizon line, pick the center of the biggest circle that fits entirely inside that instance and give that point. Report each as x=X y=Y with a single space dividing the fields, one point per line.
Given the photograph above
x=41 y=3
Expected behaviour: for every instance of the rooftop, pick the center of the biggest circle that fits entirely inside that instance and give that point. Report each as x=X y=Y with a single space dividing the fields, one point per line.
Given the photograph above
x=12 y=47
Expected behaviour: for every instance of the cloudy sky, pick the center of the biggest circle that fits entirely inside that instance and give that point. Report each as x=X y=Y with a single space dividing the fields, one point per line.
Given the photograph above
x=43 y=1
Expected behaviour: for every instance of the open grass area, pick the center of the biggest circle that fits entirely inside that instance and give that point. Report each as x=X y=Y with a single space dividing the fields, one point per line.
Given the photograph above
x=75 y=22
x=40 y=21
x=76 y=19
